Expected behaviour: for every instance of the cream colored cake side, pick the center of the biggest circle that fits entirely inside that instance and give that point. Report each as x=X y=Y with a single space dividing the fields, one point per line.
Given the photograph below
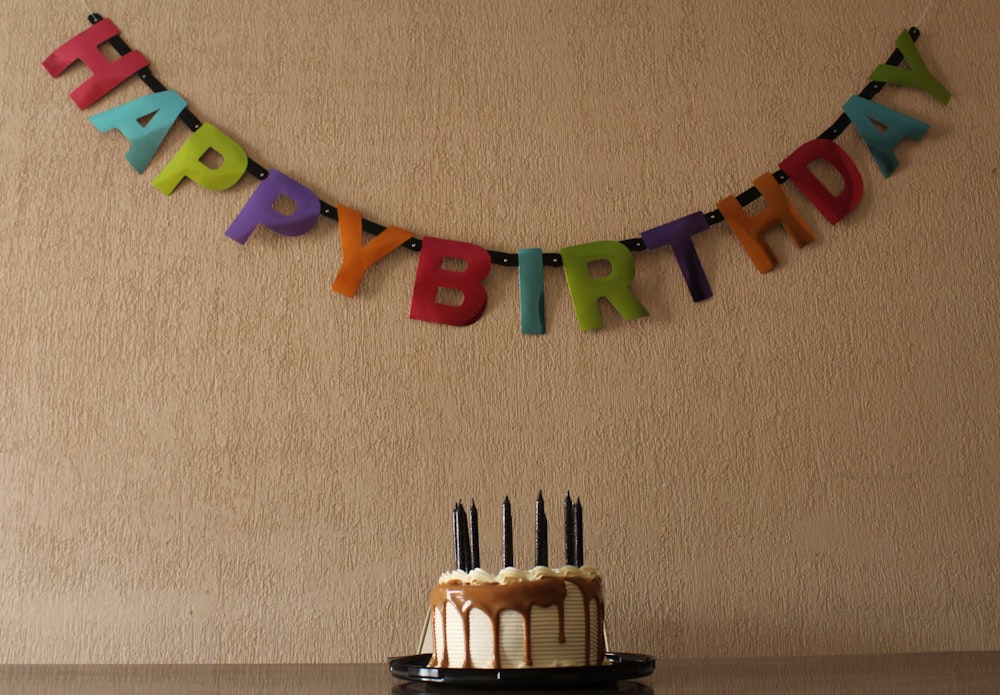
x=543 y=617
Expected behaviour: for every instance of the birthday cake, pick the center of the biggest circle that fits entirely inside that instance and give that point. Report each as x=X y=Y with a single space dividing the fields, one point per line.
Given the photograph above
x=537 y=618
x=543 y=617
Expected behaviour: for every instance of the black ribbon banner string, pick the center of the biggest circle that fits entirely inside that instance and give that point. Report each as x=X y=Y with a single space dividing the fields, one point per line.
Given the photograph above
x=504 y=258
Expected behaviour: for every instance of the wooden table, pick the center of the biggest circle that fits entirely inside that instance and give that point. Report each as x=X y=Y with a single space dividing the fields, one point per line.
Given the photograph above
x=977 y=672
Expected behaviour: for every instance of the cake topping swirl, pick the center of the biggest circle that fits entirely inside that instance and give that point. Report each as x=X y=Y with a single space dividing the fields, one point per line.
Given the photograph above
x=511 y=575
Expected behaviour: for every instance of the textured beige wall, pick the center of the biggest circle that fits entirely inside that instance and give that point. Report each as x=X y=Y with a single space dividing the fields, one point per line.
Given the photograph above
x=206 y=455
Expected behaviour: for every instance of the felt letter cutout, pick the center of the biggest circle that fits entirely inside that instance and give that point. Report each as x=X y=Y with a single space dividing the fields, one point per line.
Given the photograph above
x=431 y=275
x=529 y=276
x=187 y=162
x=259 y=210
x=108 y=74
x=358 y=256
x=917 y=76
x=586 y=290
x=882 y=144
x=165 y=107
x=750 y=230
x=833 y=207
x=677 y=235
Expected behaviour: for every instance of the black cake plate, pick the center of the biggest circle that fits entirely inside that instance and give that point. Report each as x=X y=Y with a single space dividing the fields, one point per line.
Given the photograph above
x=619 y=667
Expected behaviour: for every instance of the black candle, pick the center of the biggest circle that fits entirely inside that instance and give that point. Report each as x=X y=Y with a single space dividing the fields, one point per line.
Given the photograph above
x=474 y=533
x=458 y=547
x=508 y=535
x=541 y=533
x=569 y=524
x=578 y=532
x=465 y=556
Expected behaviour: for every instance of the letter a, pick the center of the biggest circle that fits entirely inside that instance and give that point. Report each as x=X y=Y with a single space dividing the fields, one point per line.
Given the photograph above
x=166 y=107
x=882 y=144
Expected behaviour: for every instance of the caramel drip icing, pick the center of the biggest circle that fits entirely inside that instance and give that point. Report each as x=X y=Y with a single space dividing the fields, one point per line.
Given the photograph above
x=492 y=599
x=435 y=661
x=527 y=638
x=592 y=591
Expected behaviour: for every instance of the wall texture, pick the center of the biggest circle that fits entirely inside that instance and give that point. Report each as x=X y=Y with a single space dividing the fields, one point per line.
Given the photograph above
x=207 y=455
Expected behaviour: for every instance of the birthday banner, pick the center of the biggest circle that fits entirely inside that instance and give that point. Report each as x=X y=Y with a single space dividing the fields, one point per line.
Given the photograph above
x=145 y=122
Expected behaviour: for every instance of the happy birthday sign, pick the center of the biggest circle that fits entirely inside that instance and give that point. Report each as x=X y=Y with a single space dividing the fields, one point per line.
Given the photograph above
x=146 y=121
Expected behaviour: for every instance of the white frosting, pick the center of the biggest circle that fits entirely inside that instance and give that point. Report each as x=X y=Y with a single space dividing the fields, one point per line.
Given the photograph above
x=510 y=575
